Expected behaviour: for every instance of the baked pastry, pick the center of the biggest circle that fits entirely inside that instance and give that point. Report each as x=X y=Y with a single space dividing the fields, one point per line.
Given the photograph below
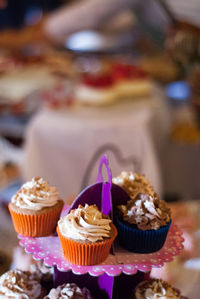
x=35 y=208
x=96 y=89
x=160 y=67
x=143 y=223
x=69 y=291
x=131 y=81
x=86 y=235
x=185 y=133
x=20 y=284
x=156 y=288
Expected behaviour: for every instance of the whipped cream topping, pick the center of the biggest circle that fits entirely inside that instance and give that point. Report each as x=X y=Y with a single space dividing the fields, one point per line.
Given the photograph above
x=19 y=285
x=146 y=211
x=66 y=291
x=85 y=223
x=35 y=195
x=133 y=183
x=156 y=289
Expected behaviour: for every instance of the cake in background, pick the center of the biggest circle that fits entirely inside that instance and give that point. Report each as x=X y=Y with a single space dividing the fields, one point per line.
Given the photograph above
x=96 y=89
x=111 y=83
x=185 y=133
x=160 y=67
x=130 y=81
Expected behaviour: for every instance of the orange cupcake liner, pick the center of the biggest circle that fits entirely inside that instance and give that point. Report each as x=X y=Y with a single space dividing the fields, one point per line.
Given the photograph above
x=86 y=254
x=35 y=225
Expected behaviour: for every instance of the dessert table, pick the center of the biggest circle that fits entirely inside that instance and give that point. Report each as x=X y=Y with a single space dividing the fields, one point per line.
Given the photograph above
x=63 y=145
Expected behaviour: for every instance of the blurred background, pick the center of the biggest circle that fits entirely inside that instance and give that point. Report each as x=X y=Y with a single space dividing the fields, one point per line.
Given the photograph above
x=83 y=78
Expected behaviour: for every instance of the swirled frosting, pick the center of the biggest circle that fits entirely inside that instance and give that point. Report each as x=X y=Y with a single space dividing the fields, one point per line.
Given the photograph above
x=156 y=289
x=68 y=291
x=85 y=223
x=35 y=195
x=133 y=183
x=17 y=284
x=146 y=211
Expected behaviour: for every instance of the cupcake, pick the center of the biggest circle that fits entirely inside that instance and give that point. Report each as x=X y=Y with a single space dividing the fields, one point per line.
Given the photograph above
x=156 y=288
x=69 y=290
x=133 y=183
x=143 y=223
x=20 y=284
x=35 y=208
x=86 y=235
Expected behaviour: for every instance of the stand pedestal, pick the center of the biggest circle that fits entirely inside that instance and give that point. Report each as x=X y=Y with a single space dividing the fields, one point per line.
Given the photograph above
x=104 y=286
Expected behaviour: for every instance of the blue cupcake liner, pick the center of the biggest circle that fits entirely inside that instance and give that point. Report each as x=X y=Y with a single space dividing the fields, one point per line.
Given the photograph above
x=133 y=239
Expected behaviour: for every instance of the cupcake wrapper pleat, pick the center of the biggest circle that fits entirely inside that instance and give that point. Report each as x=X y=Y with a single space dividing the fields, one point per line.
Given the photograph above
x=35 y=225
x=139 y=241
x=86 y=254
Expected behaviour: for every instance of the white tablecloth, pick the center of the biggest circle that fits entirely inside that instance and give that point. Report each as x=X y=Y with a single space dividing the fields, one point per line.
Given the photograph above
x=60 y=144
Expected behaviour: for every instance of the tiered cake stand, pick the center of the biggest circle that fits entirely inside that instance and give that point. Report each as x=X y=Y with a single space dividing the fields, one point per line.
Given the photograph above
x=117 y=276
x=114 y=278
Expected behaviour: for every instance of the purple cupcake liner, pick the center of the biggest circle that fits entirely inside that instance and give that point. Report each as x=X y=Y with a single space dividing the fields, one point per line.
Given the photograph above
x=133 y=239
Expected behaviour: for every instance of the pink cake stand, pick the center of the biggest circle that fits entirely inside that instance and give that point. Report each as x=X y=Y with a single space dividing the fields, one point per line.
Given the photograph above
x=49 y=250
x=115 y=274
x=110 y=277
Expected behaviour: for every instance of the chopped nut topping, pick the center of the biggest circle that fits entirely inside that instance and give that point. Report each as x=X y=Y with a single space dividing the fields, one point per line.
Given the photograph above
x=133 y=184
